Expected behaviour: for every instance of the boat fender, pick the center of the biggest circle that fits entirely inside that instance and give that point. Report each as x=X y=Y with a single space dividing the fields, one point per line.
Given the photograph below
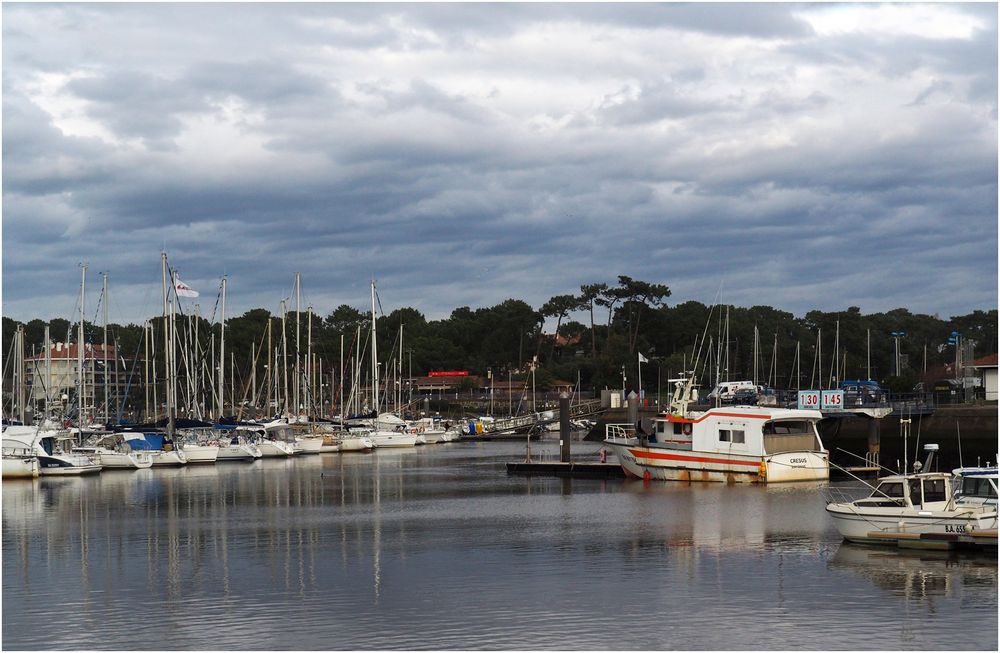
x=687 y=428
x=762 y=471
x=646 y=476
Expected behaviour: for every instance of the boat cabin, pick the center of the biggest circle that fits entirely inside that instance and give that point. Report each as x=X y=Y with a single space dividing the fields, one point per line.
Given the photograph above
x=931 y=491
x=748 y=430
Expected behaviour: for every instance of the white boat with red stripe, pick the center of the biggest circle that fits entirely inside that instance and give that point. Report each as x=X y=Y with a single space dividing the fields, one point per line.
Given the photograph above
x=729 y=444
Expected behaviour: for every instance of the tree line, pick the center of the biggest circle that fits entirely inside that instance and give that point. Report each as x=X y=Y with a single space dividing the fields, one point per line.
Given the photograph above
x=602 y=329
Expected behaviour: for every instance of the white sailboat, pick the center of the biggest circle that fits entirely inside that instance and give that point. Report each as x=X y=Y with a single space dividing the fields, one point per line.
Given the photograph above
x=381 y=436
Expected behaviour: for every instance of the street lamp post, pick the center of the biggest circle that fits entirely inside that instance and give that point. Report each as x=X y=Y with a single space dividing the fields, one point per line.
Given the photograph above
x=896 y=336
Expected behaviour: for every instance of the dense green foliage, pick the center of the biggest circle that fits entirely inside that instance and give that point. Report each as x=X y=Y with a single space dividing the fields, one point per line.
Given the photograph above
x=614 y=323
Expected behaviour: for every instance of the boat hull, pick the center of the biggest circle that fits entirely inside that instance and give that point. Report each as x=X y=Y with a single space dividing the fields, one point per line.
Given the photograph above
x=387 y=440
x=121 y=460
x=200 y=454
x=59 y=466
x=168 y=458
x=886 y=525
x=275 y=449
x=308 y=445
x=238 y=453
x=666 y=464
x=20 y=467
x=356 y=444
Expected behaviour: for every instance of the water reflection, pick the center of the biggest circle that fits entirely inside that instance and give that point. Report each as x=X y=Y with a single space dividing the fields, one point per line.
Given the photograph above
x=436 y=547
x=918 y=575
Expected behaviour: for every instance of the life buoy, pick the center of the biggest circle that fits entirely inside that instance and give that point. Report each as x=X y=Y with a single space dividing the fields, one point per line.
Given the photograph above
x=686 y=428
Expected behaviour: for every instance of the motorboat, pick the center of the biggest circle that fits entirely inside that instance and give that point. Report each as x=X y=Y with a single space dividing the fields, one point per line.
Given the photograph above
x=926 y=509
x=732 y=444
x=53 y=450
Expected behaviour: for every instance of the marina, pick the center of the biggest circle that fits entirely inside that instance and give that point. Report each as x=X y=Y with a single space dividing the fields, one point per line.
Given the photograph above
x=437 y=547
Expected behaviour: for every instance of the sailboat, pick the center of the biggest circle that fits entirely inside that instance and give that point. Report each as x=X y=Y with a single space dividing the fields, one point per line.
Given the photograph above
x=398 y=437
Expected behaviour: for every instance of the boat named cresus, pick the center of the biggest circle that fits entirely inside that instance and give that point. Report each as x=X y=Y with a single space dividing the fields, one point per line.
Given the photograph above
x=732 y=444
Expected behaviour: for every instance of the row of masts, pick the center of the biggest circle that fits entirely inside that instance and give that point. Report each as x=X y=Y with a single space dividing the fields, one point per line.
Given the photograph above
x=717 y=364
x=195 y=372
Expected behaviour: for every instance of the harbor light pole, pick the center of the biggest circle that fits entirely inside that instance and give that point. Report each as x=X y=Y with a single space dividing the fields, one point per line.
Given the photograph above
x=896 y=336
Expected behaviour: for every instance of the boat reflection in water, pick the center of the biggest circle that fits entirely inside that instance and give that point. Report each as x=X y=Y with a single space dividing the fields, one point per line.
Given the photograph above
x=435 y=547
x=918 y=575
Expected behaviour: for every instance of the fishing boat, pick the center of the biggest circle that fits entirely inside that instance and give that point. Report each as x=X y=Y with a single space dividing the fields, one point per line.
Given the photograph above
x=925 y=509
x=732 y=444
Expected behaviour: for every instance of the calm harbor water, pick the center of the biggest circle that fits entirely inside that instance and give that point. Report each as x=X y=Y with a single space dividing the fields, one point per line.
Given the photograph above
x=436 y=548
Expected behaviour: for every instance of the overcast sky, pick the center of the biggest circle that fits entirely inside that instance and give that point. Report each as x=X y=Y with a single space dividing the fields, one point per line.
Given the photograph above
x=795 y=155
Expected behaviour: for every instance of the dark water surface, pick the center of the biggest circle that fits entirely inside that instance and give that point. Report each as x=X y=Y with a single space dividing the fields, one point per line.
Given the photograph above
x=436 y=548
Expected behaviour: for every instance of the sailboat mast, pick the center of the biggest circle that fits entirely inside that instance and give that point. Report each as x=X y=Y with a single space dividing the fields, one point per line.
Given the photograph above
x=81 y=394
x=309 y=366
x=107 y=400
x=284 y=358
x=221 y=409
x=172 y=355
x=296 y=385
x=374 y=357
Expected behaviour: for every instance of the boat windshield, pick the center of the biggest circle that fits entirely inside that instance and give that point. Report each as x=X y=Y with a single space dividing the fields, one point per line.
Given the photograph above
x=978 y=487
x=893 y=490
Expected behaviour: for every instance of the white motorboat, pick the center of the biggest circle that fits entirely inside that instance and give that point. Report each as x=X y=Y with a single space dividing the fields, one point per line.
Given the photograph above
x=53 y=450
x=922 y=509
x=736 y=444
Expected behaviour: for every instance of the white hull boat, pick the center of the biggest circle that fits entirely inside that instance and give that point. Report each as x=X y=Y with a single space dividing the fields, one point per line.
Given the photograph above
x=172 y=458
x=731 y=444
x=309 y=444
x=241 y=451
x=925 y=510
x=393 y=439
x=52 y=450
x=111 y=459
x=201 y=453
x=275 y=449
x=17 y=466
x=356 y=443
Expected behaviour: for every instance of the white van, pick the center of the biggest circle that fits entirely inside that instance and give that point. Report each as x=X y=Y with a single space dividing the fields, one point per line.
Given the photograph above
x=727 y=389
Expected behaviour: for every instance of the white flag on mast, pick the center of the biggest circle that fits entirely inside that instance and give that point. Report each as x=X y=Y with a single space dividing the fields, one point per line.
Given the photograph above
x=182 y=289
x=642 y=359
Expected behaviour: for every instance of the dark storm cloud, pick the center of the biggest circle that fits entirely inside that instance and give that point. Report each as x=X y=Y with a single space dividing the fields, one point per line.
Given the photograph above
x=464 y=154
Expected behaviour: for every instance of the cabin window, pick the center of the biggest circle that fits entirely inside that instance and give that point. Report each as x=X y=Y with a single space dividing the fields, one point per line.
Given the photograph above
x=736 y=436
x=677 y=428
x=788 y=428
x=978 y=487
x=915 y=491
x=894 y=490
x=934 y=490
x=661 y=427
